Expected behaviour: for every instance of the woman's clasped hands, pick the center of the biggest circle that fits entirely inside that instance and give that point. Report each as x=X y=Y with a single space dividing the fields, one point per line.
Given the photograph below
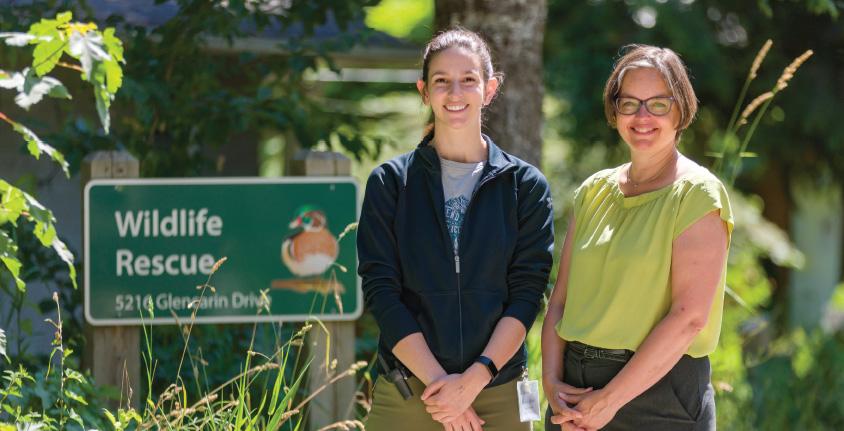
x=580 y=409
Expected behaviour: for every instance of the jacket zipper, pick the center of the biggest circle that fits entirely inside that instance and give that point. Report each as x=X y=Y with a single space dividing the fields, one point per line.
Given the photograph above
x=457 y=259
x=459 y=298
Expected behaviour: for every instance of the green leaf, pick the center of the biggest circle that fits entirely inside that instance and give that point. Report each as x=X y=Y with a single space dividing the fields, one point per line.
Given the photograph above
x=8 y=255
x=76 y=418
x=748 y=154
x=276 y=418
x=114 y=422
x=102 y=95
x=113 y=45
x=51 y=43
x=35 y=88
x=114 y=72
x=114 y=76
x=36 y=146
x=67 y=257
x=45 y=229
x=73 y=375
x=127 y=416
x=47 y=54
x=12 y=203
x=275 y=391
x=75 y=397
x=46 y=233
x=46 y=27
x=38 y=212
x=103 y=103
x=64 y=17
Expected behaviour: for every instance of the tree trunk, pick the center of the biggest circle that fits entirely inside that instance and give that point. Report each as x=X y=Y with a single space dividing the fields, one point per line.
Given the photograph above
x=776 y=194
x=514 y=30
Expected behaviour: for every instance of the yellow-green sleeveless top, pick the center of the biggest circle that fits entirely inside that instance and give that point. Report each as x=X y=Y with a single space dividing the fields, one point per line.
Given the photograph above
x=619 y=284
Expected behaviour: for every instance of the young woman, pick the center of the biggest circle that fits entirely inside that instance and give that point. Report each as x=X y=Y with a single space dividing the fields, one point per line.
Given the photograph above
x=454 y=244
x=637 y=304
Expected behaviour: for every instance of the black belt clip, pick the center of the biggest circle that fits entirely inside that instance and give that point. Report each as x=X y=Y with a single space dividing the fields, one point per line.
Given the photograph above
x=397 y=376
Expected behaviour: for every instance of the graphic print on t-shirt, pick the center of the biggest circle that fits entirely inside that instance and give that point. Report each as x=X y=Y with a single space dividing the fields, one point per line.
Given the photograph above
x=459 y=180
x=455 y=209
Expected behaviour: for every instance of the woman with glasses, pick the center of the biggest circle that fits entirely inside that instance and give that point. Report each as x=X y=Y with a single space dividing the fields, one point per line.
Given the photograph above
x=638 y=301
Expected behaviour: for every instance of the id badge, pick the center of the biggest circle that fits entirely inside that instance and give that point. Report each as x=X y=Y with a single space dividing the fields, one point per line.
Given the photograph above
x=528 y=392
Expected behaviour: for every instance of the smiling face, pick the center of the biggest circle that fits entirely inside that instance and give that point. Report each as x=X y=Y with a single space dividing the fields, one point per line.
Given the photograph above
x=644 y=131
x=456 y=89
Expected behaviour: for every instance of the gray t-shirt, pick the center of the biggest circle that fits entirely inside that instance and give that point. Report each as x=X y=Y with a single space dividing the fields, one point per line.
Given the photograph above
x=459 y=181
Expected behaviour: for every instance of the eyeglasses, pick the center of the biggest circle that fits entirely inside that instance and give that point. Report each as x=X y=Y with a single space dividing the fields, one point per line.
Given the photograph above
x=658 y=106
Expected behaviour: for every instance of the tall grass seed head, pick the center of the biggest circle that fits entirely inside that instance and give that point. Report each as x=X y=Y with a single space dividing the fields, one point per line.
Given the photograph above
x=753 y=105
x=757 y=62
x=789 y=71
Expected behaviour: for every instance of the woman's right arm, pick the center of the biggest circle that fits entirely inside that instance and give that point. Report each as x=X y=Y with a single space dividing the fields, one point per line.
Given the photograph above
x=380 y=273
x=552 y=344
x=414 y=353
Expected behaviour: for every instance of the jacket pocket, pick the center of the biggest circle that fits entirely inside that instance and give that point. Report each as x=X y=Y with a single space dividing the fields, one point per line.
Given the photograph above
x=482 y=309
x=439 y=319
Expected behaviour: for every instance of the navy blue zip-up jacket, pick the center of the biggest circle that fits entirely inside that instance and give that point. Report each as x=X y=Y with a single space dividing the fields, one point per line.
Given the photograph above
x=414 y=282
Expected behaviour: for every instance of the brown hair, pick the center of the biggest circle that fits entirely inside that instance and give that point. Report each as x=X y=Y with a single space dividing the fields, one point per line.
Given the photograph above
x=459 y=37
x=673 y=72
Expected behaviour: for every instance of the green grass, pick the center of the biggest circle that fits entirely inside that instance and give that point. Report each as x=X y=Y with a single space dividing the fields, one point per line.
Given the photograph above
x=267 y=393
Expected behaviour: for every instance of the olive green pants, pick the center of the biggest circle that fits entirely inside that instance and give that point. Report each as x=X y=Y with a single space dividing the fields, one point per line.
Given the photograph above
x=498 y=406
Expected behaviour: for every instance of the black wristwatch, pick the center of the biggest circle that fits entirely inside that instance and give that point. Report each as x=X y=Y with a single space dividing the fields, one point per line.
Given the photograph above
x=493 y=370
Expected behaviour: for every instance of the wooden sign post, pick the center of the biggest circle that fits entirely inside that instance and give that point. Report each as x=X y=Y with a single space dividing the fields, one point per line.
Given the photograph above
x=336 y=402
x=112 y=353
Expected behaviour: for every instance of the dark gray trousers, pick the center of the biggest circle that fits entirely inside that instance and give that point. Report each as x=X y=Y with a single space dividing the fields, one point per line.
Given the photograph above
x=682 y=400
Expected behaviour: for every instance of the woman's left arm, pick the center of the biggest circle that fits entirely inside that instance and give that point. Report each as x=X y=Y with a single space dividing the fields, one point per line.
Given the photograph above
x=527 y=280
x=698 y=260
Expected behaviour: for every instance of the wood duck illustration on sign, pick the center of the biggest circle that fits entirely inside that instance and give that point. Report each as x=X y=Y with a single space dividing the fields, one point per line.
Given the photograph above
x=308 y=251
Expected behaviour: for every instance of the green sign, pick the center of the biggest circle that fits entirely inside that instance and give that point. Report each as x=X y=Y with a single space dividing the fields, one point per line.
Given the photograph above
x=288 y=244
